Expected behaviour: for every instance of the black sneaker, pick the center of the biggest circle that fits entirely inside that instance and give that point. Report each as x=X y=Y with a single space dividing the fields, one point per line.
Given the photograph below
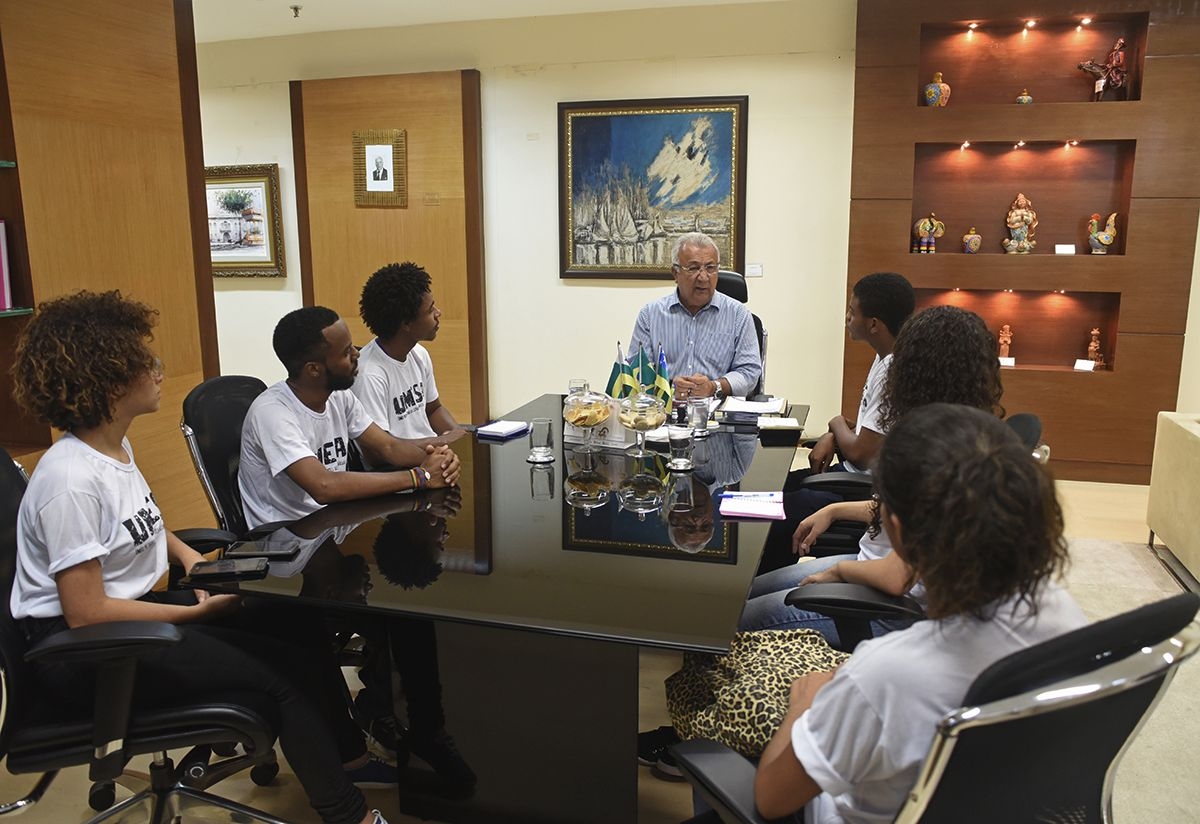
x=439 y=751
x=666 y=768
x=374 y=775
x=653 y=745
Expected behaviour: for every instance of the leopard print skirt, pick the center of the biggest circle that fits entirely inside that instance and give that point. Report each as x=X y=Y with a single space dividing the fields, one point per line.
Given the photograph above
x=740 y=699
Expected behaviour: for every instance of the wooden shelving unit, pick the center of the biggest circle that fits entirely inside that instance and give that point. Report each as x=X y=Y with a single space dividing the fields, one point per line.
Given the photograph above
x=1072 y=157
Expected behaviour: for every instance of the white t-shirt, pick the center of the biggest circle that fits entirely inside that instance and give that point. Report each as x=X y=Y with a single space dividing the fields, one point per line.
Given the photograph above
x=82 y=505
x=394 y=392
x=869 y=729
x=871 y=406
x=280 y=430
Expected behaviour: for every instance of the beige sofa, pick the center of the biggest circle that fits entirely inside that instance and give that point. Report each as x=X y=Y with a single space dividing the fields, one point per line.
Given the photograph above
x=1174 y=510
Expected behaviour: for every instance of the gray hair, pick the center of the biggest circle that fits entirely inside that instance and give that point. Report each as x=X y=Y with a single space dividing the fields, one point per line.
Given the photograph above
x=692 y=239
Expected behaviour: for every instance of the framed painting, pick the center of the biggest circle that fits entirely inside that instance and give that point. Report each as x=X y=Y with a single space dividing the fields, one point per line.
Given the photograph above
x=381 y=168
x=245 y=231
x=636 y=174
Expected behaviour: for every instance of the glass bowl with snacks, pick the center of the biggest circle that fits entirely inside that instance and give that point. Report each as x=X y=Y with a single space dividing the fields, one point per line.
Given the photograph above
x=642 y=413
x=586 y=410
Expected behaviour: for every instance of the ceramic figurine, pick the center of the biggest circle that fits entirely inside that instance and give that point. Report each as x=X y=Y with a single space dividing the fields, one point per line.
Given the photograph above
x=1024 y=97
x=1005 y=339
x=1100 y=239
x=1094 y=347
x=926 y=231
x=1022 y=223
x=971 y=242
x=1110 y=74
x=937 y=93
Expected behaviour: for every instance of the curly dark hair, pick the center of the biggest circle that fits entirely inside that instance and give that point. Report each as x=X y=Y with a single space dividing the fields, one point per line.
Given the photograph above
x=943 y=355
x=980 y=519
x=407 y=550
x=78 y=354
x=300 y=337
x=392 y=297
x=887 y=296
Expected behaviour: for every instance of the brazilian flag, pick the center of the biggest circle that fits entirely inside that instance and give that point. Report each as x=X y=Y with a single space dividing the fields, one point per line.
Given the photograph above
x=621 y=382
x=663 y=390
x=643 y=370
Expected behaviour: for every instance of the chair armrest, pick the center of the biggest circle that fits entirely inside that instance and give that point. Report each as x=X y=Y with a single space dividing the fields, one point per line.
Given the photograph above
x=853 y=601
x=105 y=642
x=853 y=486
x=724 y=779
x=205 y=539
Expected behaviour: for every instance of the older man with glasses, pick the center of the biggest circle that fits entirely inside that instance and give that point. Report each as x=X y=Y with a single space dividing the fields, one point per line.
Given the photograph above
x=708 y=337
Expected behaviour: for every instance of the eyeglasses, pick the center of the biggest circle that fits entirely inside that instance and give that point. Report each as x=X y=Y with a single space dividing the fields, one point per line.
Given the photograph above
x=696 y=268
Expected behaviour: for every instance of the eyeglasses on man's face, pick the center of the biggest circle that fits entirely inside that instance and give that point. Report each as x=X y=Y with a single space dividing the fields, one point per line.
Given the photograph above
x=694 y=269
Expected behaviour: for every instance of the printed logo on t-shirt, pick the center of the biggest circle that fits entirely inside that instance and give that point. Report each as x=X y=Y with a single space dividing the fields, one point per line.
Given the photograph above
x=866 y=386
x=332 y=452
x=143 y=525
x=404 y=403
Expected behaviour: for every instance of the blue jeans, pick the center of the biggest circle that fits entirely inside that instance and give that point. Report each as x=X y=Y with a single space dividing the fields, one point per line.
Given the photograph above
x=765 y=608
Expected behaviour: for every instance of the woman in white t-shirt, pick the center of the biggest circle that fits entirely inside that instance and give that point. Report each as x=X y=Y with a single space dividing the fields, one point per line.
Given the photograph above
x=977 y=520
x=91 y=545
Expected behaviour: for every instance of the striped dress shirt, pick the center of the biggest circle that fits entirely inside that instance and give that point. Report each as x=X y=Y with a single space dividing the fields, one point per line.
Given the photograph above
x=718 y=341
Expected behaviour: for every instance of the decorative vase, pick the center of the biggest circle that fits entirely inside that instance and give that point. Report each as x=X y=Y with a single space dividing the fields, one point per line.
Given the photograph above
x=937 y=93
x=971 y=242
x=1024 y=97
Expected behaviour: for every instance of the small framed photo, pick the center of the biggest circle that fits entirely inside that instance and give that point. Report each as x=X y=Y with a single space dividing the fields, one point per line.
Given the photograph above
x=381 y=168
x=245 y=231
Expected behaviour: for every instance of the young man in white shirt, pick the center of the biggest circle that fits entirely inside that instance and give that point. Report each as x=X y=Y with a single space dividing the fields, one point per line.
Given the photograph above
x=395 y=373
x=880 y=304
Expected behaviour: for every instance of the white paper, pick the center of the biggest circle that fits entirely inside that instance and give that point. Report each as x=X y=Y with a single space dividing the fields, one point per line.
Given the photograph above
x=1064 y=248
x=1085 y=365
x=778 y=423
x=1008 y=361
x=753 y=505
x=502 y=429
x=775 y=406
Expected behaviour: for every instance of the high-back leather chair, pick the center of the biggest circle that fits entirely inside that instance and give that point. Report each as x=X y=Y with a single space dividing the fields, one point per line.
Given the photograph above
x=1038 y=737
x=37 y=736
x=213 y=414
x=733 y=284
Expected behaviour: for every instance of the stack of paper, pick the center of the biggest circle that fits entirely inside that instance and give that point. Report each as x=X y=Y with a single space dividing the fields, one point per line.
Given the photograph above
x=753 y=505
x=775 y=406
x=502 y=429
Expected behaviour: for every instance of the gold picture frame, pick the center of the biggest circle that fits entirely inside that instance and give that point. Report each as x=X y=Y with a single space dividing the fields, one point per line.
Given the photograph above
x=245 y=229
x=381 y=168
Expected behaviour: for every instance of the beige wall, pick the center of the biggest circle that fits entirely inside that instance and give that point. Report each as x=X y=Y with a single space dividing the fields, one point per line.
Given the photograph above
x=543 y=330
x=794 y=60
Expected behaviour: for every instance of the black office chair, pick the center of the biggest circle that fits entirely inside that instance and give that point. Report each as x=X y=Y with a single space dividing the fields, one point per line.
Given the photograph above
x=36 y=737
x=1039 y=735
x=213 y=414
x=733 y=284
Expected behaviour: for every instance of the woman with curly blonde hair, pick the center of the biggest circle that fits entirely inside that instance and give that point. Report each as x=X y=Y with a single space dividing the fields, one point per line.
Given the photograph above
x=91 y=546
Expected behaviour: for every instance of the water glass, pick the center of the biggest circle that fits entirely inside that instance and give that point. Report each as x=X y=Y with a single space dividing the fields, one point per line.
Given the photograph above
x=680 y=497
x=698 y=416
x=541 y=441
x=577 y=386
x=679 y=438
x=541 y=482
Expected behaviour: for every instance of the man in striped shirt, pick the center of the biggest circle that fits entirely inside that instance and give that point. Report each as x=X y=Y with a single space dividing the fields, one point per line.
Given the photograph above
x=708 y=338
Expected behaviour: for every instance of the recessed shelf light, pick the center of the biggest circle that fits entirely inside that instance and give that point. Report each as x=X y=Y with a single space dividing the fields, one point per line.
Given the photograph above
x=972 y=26
x=966 y=144
x=1087 y=21
x=1029 y=24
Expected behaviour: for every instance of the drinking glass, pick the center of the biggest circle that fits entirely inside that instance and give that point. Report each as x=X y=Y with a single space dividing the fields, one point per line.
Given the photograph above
x=679 y=438
x=577 y=386
x=679 y=493
x=698 y=416
x=541 y=441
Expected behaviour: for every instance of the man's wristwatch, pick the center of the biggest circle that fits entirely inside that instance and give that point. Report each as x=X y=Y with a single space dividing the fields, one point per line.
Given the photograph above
x=718 y=390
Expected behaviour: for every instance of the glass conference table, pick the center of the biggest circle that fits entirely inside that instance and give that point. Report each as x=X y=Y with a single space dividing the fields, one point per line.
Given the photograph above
x=540 y=607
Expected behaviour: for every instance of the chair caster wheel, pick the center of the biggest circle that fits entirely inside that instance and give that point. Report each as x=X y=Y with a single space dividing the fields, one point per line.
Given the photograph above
x=263 y=774
x=102 y=795
x=225 y=749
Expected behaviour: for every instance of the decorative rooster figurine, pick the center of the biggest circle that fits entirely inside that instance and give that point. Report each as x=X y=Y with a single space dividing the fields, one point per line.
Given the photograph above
x=1101 y=239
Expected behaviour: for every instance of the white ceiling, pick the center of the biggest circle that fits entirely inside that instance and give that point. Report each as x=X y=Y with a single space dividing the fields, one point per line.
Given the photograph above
x=243 y=19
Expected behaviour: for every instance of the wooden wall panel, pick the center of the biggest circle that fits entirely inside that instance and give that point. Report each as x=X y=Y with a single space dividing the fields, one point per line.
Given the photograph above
x=440 y=229
x=97 y=112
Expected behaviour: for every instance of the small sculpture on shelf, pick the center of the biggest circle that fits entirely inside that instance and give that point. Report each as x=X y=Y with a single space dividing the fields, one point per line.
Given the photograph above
x=926 y=231
x=937 y=93
x=1005 y=339
x=1022 y=223
x=971 y=241
x=1100 y=239
x=1094 y=354
x=1024 y=98
x=1110 y=74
